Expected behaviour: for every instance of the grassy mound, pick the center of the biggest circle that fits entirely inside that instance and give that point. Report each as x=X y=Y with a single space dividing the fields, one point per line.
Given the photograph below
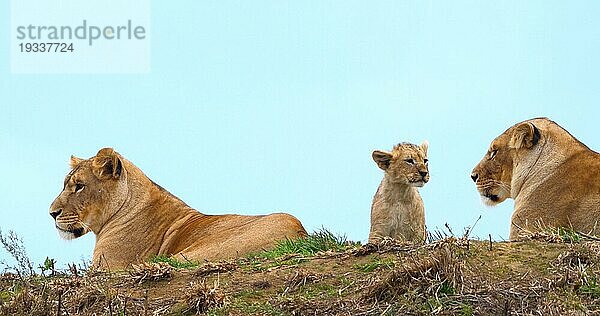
x=553 y=273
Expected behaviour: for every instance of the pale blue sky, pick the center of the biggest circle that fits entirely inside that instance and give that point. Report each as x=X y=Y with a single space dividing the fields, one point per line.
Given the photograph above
x=276 y=106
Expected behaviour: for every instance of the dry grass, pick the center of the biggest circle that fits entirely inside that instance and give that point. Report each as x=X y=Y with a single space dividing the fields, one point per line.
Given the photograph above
x=200 y=297
x=151 y=272
x=546 y=274
x=428 y=275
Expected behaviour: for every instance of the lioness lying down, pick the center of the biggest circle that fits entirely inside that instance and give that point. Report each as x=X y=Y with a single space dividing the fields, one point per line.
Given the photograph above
x=135 y=219
x=553 y=178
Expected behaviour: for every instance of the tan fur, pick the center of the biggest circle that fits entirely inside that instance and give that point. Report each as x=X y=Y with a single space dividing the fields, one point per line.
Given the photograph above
x=397 y=209
x=134 y=219
x=553 y=178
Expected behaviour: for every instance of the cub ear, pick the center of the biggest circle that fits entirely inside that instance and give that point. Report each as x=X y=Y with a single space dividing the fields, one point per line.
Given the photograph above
x=74 y=161
x=107 y=164
x=424 y=146
x=382 y=158
x=525 y=135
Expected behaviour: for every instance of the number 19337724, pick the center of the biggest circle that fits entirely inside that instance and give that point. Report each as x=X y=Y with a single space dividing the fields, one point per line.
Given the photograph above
x=46 y=47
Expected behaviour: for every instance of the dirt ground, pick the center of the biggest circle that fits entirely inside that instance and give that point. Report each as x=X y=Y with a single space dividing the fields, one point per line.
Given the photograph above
x=447 y=277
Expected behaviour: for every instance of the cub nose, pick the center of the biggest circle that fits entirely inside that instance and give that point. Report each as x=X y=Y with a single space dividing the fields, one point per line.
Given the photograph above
x=474 y=176
x=423 y=173
x=55 y=214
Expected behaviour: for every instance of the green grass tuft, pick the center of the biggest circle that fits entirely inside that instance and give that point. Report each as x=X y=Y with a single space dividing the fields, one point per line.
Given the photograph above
x=559 y=234
x=466 y=310
x=245 y=308
x=590 y=287
x=5 y=296
x=568 y=235
x=377 y=263
x=321 y=240
x=447 y=289
x=318 y=290
x=174 y=262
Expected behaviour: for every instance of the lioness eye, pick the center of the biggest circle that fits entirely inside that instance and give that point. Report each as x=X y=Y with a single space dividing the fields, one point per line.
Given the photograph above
x=410 y=161
x=79 y=187
x=493 y=153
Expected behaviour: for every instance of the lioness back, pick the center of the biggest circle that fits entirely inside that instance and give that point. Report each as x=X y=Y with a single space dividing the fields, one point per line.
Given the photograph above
x=233 y=231
x=135 y=219
x=397 y=210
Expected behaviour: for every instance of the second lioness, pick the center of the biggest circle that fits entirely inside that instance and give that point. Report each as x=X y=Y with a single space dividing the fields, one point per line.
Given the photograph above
x=553 y=178
x=135 y=219
x=397 y=210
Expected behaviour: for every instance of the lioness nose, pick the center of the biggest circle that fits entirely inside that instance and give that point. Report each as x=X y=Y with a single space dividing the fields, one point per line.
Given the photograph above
x=474 y=176
x=55 y=214
x=423 y=173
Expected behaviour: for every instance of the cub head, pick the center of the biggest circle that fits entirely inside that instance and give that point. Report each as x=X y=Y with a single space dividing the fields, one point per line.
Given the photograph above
x=494 y=173
x=405 y=164
x=90 y=195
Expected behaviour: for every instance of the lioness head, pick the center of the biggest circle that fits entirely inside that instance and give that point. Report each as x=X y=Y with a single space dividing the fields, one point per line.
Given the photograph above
x=91 y=194
x=494 y=173
x=405 y=164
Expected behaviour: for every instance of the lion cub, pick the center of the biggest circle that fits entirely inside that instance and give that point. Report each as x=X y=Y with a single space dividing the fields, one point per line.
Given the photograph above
x=397 y=209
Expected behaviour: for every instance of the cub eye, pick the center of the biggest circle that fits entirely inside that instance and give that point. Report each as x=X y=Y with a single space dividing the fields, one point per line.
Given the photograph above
x=493 y=153
x=425 y=160
x=79 y=187
x=410 y=161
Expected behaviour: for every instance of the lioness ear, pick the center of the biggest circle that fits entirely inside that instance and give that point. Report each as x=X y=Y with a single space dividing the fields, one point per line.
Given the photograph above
x=424 y=146
x=525 y=135
x=74 y=161
x=107 y=164
x=382 y=158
